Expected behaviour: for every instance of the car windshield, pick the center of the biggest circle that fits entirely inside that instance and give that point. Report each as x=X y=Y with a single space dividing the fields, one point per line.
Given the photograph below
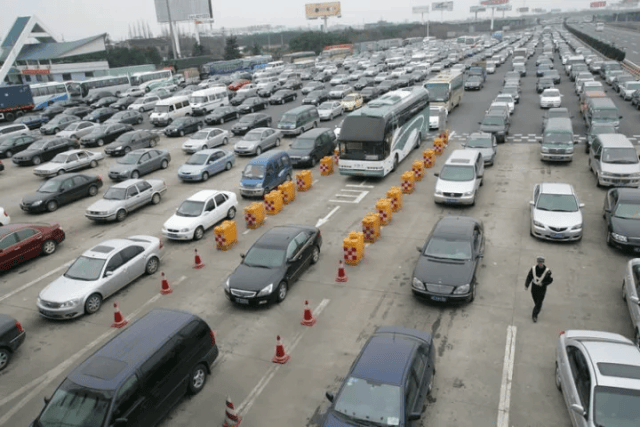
x=253 y=171
x=557 y=203
x=620 y=155
x=264 y=257
x=484 y=142
x=370 y=401
x=474 y=79
x=633 y=86
x=198 y=99
x=551 y=93
x=628 y=211
x=51 y=186
x=253 y=136
x=602 y=129
x=326 y=106
x=129 y=159
x=85 y=268
x=557 y=138
x=546 y=81
x=97 y=130
x=457 y=173
x=448 y=249
x=616 y=407
x=181 y=121
x=246 y=119
x=60 y=158
x=37 y=145
x=493 y=121
x=609 y=114
x=114 y=193
x=74 y=406
x=303 y=143
x=200 y=135
x=350 y=98
x=197 y=159
x=190 y=208
x=504 y=98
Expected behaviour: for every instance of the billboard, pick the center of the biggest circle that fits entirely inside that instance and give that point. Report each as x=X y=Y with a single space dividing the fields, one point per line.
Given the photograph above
x=420 y=9
x=443 y=5
x=493 y=2
x=183 y=10
x=503 y=7
x=523 y=9
x=540 y=10
x=475 y=9
x=322 y=10
x=595 y=4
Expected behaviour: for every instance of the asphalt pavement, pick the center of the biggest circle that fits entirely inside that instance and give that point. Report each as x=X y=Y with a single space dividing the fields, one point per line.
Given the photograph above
x=624 y=38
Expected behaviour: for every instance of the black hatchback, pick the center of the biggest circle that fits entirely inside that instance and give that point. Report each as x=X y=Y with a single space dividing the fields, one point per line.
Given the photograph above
x=12 y=335
x=274 y=262
x=221 y=115
x=15 y=144
x=183 y=125
x=251 y=121
x=61 y=190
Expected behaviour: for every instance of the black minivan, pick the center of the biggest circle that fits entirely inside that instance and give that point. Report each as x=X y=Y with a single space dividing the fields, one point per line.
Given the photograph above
x=136 y=377
x=311 y=146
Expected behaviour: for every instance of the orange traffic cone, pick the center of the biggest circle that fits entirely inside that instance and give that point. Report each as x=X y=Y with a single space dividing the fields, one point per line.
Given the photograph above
x=166 y=289
x=281 y=357
x=118 y=320
x=308 y=319
x=198 y=262
x=342 y=275
x=231 y=417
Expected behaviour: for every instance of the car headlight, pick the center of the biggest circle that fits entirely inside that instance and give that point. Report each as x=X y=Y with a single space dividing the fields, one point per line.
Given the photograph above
x=226 y=283
x=266 y=290
x=259 y=185
x=468 y=193
x=569 y=150
x=545 y=150
x=619 y=237
x=418 y=284
x=70 y=303
x=184 y=230
x=538 y=224
x=306 y=157
x=462 y=289
x=577 y=227
x=37 y=203
x=438 y=193
x=118 y=148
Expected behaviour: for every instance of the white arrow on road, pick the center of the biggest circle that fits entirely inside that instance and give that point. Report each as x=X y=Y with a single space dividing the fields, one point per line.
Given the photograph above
x=326 y=218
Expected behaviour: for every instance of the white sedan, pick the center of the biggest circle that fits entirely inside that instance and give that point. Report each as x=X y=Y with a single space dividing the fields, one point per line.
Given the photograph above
x=206 y=138
x=69 y=161
x=4 y=217
x=508 y=99
x=550 y=98
x=330 y=109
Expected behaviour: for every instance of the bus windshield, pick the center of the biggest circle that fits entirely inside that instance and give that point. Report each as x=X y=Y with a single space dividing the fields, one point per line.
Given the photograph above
x=438 y=92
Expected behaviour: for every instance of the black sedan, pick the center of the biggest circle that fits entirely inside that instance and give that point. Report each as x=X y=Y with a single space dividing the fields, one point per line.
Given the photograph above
x=96 y=96
x=104 y=102
x=52 y=110
x=15 y=144
x=621 y=211
x=252 y=104
x=220 y=115
x=273 y=263
x=240 y=98
x=104 y=134
x=282 y=96
x=71 y=102
x=446 y=268
x=132 y=140
x=268 y=89
x=12 y=335
x=32 y=122
x=369 y=93
x=251 y=121
x=292 y=84
x=128 y=117
x=473 y=83
x=363 y=82
x=316 y=97
x=388 y=85
x=79 y=111
x=101 y=115
x=544 y=83
x=60 y=190
x=183 y=125
x=311 y=86
x=123 y=103
x=405 y=81
x=322 y=77
x=43 y=150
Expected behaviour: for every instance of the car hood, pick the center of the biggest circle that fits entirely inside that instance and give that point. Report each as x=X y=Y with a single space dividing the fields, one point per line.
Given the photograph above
x=444 y=272
x=298 y=152
x=191 y=169
x=492 y=128
x=179 y=222
x=105 y=205
x=254 y=278
x=625 y=226
x=454 y=186
x=117 y=168
x=64 y=289
x=34 y=197
x=558 y=219
x=615 y=168
x=472 y=84
x=333 y=420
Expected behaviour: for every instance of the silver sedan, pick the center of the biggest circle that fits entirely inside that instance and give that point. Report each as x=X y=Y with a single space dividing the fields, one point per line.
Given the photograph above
x=206 y=138
x=69 y=161
x=258 y=140
x=139 y=162
x=631 y=295
x=98 y=273
x=77 y=130
x=556 y=212
x=330 y=109
x=122 y=198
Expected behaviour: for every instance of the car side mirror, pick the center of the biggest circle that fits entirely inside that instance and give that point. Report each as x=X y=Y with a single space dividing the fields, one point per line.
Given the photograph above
x=329 y=396
x=436 y=174
x=47 y=399
x=479 y=123
x=243 y=255
x=607 y=210
x=578 y=409
x=108 y=273
x=634 y=300
x=581 y=205
x=414 y=416
x=532 y=203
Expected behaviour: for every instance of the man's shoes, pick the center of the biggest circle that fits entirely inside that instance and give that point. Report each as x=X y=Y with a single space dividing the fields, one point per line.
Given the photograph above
x=535 y=318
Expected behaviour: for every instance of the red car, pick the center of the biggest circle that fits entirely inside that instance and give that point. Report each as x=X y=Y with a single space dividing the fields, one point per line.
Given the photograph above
x=238 y=84
x=20 y=242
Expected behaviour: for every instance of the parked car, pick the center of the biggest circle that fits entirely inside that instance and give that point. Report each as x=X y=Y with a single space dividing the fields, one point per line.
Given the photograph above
x=621 y=212
x=104 y=102
x=97 y=274
x=128 y=117
x=205 y=163
x=104 y=134
x=101 y=115
x=316 y=97
x=123 y=103
x=77 y=130
x=145 y=103
x=328 y=110
x=282 y=96
x=139 y=162
x=221 y=115
x=485 y=143
x=206 y=138
x=4 y=217
x=134 y=92
x=124 y=197
x=32 y=121
x=340 y=91
x=272 y=264
x=57 y=124
x=369 y=93
x=69 y=161
x=363 y=82
x=43 y=150
x=474 y=83
x=200 y=212
x=268 y=89
x=598 y=129
x=132 y=140
x=97 y=96
x=161 y=92
x=311 y=86
x=388 y=85
x=21 y=242
x=251 y=121
x=12 y=336
x=61 y=190
x=257 y=140
x=556 y=212
x=448 y=263
x=238 y=84
x=312 y=146
x=252 y=104
x=631 y=296
x=550 y=98
x=70 y=103
x=79 y=111
x=15 y=144
x=183 y=125
x=544 y=83
x=52 y=111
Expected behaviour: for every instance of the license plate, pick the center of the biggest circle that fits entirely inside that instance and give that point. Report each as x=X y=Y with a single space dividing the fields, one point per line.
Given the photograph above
x=46 y=313
x=441 y=299
x=174 y=235
x=242 y=301
x=557 y=236
x=452 y=200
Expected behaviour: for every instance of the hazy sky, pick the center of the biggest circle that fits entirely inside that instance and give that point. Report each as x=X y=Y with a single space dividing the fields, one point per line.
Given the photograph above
x=74 y=19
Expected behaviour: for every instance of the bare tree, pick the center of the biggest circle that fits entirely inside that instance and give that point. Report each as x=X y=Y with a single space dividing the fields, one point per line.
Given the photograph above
x=149 y=33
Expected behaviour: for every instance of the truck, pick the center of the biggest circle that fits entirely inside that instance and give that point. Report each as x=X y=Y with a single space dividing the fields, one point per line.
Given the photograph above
x=520 y=52
x=15 y=101
x=497 y=35
x=478 y=68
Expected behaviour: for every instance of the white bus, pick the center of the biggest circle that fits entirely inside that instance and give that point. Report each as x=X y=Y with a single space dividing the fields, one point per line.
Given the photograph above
x=446 y=89
x=45 y=94
x=276 y=66
x=114 y=84
x=375 y=138
x=143 y=79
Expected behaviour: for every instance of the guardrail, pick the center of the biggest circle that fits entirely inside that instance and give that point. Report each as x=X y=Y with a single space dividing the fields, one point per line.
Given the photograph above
x=631 y=67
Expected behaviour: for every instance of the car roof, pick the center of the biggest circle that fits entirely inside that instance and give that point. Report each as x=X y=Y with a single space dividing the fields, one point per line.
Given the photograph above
x=479 y=135
x=67 y=175
x=202 y=195
x=602 y=352
x=265 y=158
x=103 y=249
x=279 y=237
x=628 y=194
x=613 y=140
x=312 y=133
x=10 y=228
x=114 y=362
x=460 y=226
x=385 y=359
x=127 y=183
x=556 y=188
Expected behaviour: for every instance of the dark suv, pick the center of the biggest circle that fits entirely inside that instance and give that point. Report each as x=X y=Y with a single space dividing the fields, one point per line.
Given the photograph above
x=311 y=146
x=496 y=123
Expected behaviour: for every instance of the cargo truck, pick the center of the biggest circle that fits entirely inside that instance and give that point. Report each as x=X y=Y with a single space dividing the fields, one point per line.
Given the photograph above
x=478 y=68
x=15 y=101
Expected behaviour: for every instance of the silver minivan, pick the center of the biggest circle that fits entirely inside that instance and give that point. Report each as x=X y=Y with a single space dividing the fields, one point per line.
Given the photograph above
x=614 y=161
x=13 y=130
x=460 y=178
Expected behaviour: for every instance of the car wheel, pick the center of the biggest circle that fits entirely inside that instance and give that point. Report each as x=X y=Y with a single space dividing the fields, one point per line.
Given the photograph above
x=36 y=160
x=473 y=293
x=164 y=164
x=121 y=215
x=258 y=151
x=152 y=265
x=281 y=292
x=155 y=199
x=93 y=304
x=278 y=142
x=181 y=133
x=8 y=154
x=227 y=166
x=288 y=177
x=93 y=164
x=153 y=143
x=395 y=164
x=198 y=379
x=315 y=255
x=49 y=247
x=52 y=205
x=558 y=381
x=135 y=175
x=609 y=239
x=56 y=130
x=5 y=356
x=225 y=141
x=100 y=142
x=624 y=292
x=313 y=161
x=205 y=176
x=237 y=116
x=127 y=150
x=141 y=110
x=60 y=172
x=93 y=190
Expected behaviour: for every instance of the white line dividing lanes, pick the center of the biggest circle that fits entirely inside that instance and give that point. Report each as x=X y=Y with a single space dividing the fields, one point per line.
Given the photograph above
x=322 y=221
x=33 y=282
x=507 y=377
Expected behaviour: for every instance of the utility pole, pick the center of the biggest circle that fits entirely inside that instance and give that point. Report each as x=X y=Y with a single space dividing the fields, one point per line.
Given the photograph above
x=173 y=40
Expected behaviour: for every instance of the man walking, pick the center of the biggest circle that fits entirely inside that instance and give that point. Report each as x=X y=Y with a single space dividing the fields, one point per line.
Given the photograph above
x=539 y=278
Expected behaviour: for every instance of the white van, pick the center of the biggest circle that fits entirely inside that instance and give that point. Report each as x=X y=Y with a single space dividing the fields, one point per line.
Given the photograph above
x=614 y=161
x=277 y=66
x=169 y=109
x=460 y=178
x=204 y=101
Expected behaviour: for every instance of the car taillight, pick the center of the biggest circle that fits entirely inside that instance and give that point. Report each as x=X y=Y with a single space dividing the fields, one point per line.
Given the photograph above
x=5 y=213
x=100 y=177
x=213 y=337
x=19 y=326
x=561 y=332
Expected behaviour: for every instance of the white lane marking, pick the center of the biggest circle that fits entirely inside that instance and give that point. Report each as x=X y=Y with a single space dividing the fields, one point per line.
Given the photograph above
x=246 y=231
x=244 y=407
x=321 y=221
x=44 y=380
x=314 y=182
x=33 y=282
x=349 y=198
x=452 y=133
x=360 y=185
x=507 y=377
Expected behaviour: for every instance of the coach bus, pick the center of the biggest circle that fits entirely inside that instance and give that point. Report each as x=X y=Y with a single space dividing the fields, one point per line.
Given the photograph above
x=375 y=138
x=145 y=78
x=113 y=84
x=339 y=51
x=446 y=89
x=45 y=94
x=247 y=64
x=295 y=57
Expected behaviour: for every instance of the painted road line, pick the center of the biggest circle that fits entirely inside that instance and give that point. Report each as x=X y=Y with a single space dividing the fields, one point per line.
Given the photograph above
x=350 y=198
x=33 y=282
x=244 y=407
x=321 y=221
x=44 y=380
x=507 y=377
x=360 y=185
